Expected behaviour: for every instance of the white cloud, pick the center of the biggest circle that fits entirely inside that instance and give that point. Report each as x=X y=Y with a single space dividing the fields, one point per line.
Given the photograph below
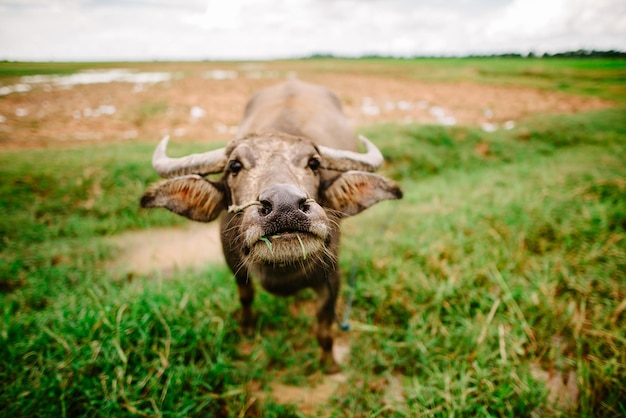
x=222 y=29
x=531 y=18
x=559 y=24
x=217 y=15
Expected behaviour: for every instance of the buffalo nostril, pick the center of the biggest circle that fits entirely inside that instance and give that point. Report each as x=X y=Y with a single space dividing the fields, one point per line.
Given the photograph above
x=304 y=206
x=266 y=208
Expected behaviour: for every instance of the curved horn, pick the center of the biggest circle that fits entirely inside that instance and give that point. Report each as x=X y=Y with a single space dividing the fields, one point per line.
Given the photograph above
x=342 y=160
x=206 y=163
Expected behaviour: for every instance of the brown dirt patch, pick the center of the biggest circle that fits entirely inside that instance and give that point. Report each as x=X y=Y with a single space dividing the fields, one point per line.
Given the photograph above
x=312 y=397
x=206 y=101
x=166 y=250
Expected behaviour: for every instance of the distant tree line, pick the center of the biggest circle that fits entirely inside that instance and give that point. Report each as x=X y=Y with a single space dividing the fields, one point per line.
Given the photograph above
x=580 y=53
x=588 y=53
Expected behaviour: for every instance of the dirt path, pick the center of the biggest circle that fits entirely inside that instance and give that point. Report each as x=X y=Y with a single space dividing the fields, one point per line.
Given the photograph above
x=166 y=250
x=310 y=398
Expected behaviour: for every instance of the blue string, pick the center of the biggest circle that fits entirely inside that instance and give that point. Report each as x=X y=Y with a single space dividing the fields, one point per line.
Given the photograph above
x=344 y=325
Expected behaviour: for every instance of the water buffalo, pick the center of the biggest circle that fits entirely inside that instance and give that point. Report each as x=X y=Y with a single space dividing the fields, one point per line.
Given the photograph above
x=290 y=175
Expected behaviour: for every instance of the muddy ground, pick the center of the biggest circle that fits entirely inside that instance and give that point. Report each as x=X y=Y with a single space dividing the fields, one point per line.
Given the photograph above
x=198 y=101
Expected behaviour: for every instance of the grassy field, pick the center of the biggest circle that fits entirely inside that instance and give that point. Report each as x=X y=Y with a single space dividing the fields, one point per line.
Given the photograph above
x=601 y=77
x=496 y=287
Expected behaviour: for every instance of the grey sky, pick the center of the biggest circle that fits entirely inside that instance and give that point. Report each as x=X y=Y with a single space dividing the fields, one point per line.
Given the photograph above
x=263 y=29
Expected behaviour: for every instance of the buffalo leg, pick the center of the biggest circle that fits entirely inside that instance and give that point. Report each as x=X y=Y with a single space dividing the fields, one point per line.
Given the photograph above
x=246 y=296
x=327 y=296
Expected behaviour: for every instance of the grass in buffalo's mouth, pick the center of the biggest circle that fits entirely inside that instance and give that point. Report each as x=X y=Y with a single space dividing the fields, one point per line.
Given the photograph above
x=268 y=242
x=301 y=246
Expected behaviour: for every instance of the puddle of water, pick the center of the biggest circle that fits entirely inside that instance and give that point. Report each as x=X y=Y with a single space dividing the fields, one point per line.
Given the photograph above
x=196 y=113
x=442 y=116
x=220 y=75
x=251 y=72
x=16 y=88
x=99 y=77
x=94 y=113
x=493 y=127
x=121 y=75
x=368 y=107
x=87 y=77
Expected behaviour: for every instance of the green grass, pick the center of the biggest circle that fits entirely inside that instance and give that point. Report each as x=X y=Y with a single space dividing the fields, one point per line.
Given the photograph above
x=600 y=77
x=506 y=255
x=541 y=239
x=9 y=70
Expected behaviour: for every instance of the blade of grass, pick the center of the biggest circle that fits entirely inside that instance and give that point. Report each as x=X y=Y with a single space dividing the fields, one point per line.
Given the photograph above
x=267 y=242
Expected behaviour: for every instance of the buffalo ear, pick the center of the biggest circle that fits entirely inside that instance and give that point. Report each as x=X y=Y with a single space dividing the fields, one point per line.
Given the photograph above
x=354 y=191
x=191 y=196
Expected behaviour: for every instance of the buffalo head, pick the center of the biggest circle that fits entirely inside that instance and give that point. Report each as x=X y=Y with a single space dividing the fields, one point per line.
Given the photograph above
x=288 y=192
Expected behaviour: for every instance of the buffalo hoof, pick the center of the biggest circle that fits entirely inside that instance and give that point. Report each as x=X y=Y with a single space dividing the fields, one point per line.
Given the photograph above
x=328 y=364
x=247 y=322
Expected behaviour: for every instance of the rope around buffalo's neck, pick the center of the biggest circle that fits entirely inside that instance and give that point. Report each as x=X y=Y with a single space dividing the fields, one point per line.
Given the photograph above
x=238 y=209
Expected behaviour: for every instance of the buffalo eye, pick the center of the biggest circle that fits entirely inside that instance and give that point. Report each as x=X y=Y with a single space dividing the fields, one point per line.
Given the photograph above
x=314 y=164
x=235 y=166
